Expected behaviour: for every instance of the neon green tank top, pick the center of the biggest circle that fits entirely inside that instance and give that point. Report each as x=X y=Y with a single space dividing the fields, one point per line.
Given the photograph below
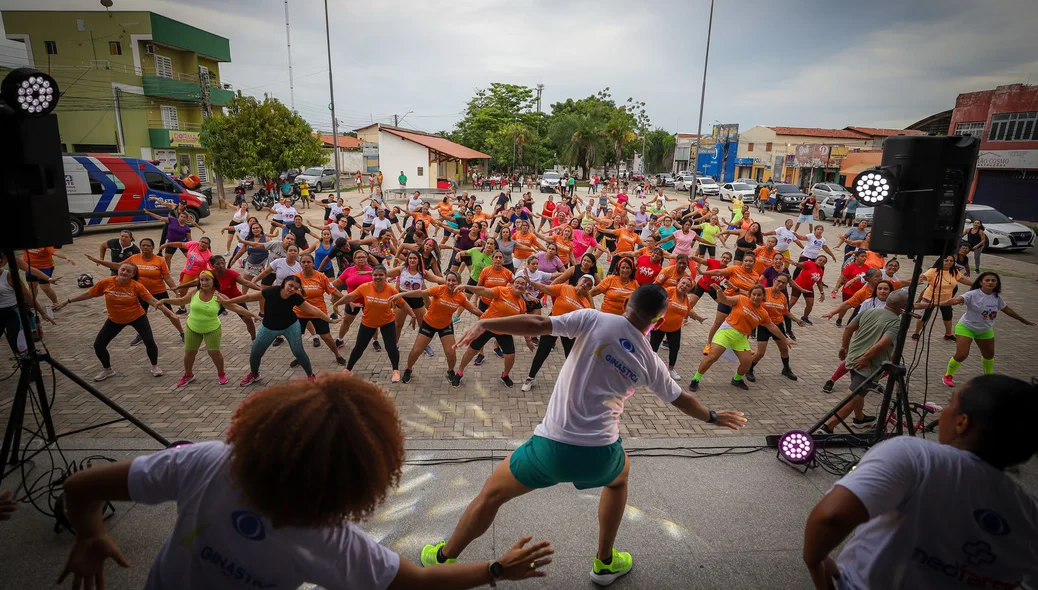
x=204 y=316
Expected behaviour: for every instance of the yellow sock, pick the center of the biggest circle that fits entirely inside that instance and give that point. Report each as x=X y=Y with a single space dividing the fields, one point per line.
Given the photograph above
x=988 y=365
x=953 y=365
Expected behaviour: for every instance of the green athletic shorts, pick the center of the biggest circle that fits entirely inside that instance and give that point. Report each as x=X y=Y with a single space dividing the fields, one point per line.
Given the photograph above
x=962 y=330
x=732 y=339
x=541 y=463
x=193 y=340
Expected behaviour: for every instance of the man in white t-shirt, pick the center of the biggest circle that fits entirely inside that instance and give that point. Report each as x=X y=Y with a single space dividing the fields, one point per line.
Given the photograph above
x=246 y=516
x=578 y=441
x=814 y=244
x=786 y=237
x=940 y=514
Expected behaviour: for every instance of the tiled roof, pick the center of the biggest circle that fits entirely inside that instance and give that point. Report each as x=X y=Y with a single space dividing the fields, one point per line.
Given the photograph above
x=345 y=141
x=439 y=144
x=817 y=132
x=879 y=132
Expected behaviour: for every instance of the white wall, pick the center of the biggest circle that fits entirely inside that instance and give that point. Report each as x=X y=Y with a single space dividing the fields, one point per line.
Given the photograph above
x=350 y=161
x=395 y=154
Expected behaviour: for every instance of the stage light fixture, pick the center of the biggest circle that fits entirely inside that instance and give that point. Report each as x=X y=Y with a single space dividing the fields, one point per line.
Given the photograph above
x=797 y=447
x=875 y=186
x=30 y=93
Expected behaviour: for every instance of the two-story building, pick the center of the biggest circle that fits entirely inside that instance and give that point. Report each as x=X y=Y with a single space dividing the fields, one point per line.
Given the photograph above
x=1006 y=121
x=797 y=155
x=133 y=83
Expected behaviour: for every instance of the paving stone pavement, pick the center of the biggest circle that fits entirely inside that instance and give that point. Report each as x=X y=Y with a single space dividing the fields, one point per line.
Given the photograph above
x=482 y=407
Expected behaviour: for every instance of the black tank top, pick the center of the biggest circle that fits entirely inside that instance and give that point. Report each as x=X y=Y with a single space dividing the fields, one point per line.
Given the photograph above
x=973 y=238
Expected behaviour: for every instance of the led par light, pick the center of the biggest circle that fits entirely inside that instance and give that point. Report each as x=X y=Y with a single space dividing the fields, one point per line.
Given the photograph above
x=875 y=186
x=30 y=93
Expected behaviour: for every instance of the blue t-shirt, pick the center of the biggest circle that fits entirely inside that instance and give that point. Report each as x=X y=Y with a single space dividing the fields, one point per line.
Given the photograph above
x=665 y=232
x=851 y=206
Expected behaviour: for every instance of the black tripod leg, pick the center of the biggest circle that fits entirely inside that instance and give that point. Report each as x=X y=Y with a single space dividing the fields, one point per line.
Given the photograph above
x=41 y=393
x=13 y=434
x=905 y=405
x=104 y=399
x=861 y=390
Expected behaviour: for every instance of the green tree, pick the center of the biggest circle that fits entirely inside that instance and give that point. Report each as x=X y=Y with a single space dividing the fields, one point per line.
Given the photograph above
x=260 y=139
x=490 y=112
x=508 y=145
x=658 y=144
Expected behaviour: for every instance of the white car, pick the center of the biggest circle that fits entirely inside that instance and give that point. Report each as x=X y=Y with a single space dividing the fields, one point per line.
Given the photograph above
x=550 y=181
x=707 y=186
x=736 y=189
x=1003 y=233
x=683 y=182
x=753 y=183
x=318 y=178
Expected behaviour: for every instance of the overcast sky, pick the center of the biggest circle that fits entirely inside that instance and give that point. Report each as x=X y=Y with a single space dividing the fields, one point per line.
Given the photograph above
x=810 y=63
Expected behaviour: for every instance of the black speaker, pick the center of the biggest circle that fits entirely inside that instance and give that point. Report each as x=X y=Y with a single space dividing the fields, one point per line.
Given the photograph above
x=32 y=182
x=927 y=211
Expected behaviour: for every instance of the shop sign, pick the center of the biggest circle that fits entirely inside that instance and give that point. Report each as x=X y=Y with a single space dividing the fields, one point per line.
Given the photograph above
x=1008 y=159
x=184 y=139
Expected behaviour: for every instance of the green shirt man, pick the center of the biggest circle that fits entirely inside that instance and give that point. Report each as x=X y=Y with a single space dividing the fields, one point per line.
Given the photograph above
x=403 y=179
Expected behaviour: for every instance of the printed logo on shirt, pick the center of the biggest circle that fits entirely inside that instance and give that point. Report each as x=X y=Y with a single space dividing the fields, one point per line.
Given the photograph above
x=978 y=553
x=610 y=359
x=248 y=525
x=991 y=522
x=626 y=344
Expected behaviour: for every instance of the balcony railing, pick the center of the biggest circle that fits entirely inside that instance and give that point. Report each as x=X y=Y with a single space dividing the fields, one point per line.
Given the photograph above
x=155 y=123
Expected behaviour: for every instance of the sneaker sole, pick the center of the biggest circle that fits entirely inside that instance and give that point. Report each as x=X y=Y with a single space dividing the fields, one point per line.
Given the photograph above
x=607 y=579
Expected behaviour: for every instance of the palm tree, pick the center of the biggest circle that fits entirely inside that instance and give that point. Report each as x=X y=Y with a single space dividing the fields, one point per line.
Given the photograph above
x=520 y=135
x=620 y=131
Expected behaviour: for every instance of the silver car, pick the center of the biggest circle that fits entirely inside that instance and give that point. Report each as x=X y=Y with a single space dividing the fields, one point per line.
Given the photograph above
x=829 y=189
x=827 y=208
x=683 y=182
x=318 y=178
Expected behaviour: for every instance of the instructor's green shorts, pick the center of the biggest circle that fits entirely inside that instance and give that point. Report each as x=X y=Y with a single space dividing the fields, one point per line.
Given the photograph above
x=193 y=340
x=732 y=339
x=962 y=330
x=541 y=463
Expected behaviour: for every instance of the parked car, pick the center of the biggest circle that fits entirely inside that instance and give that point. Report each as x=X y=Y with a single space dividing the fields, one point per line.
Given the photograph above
x=753 y=183
x=789 y=196
x=827 y=207
x=550 y=181
x=638 y=177
x=318 y=178
x=707 y=186
x=683 y=182
x=248 y=183
x=736 y=189
x=291 y=174
x=829 y=189
x=1003 y=233
x=664 y=180
x=106 y=191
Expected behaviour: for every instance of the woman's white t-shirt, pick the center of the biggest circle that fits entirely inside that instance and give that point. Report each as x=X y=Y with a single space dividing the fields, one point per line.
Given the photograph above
x=220 y=542
x=381 y=225
x=282 y=269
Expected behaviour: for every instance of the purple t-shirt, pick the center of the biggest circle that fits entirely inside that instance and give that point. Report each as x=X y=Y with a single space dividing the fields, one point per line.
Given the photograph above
x=176 y=232
x=546 y=265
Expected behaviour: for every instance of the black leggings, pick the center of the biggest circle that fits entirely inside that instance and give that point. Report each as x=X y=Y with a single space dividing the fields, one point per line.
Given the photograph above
x=10 y=325
x=111 y=329
x=364 y=336
x=946 y=313
x=544 y=348
x=673 y=343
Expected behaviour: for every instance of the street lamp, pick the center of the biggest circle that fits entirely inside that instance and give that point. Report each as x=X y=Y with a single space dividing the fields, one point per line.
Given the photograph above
x=702 y=98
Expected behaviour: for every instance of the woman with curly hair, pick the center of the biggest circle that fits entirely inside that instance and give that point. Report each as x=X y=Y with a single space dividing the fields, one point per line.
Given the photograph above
x=340 y=452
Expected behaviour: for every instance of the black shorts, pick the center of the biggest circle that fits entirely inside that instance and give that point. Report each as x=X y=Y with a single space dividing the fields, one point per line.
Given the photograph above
x=505 y=341
x=724 y=307
x=472 y=282
x=482 y=306
x=699 y=291
x=171 y=250
x=160 y=297
x=533 y=305
x=806 y=294
x=711 y=250
x=426 y=330
x=269 y=280
x=415 y=302
x=350 y=310
x=764 y=334
x=320 y=326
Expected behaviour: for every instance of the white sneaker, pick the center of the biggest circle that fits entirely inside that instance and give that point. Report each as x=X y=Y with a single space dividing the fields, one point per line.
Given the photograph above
x=104 y=374
x=50 y=313
x=527 y=384
x=156 y=371
x=674 y=375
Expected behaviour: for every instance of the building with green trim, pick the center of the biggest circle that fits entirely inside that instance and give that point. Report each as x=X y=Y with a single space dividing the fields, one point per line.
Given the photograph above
x=131 y=81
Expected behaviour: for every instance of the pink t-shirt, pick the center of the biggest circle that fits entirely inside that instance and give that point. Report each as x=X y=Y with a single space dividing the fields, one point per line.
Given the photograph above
x=197 y=261
x=582 y=242
x=353 y=279
x=683 y=243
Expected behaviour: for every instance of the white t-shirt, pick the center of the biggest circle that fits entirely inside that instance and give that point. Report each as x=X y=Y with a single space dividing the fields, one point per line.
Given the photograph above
x=336 y=232
x=278 y=208
x=981 y=310
x=243 y=230
x=871 y=303
x=334 y=210
x=609 y=361
x=282 y=269
x=785 y=238
x=414 y=203
x=370 y=213
x=381 y=225
x=812 y=247
x=535 y=276
x=218 y=542
x=940 y=517
x=288 y=215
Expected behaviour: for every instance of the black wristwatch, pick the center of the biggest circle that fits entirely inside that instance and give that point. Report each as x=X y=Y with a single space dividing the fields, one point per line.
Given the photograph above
x=497 y=572
x=713 y=417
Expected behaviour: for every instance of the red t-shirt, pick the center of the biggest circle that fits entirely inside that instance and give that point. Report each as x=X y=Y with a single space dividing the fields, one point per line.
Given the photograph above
x=810 y=274
x=706 y=281
x=549 y=208
x=645 y=270
x=849 y=272
x=228 y=283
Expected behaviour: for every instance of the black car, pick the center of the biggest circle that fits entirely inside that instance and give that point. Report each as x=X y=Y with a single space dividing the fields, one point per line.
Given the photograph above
x=789 y=196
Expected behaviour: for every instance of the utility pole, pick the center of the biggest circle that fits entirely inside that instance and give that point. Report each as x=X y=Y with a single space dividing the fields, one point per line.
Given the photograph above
x=331 y=96
x=702 y=100
x=540 y=88
x=207 y=111
x=395 y=120
x=291 y=83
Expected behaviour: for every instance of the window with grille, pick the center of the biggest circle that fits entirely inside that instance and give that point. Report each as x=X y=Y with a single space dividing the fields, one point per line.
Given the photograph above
x=52 y=47
x=976 y=129
x=170 y=119
x=1013 y=127
x=115 y=48
x=163 y=66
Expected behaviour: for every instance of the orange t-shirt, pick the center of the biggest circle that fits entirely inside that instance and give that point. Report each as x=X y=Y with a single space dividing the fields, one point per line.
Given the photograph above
x=150 y=272
x=505 y=303
x=490 y=278
x=40 y=257
x=616 y=293
x=378 y=310
x=873 y=260
x=777 y=305
x=442 y=306
x=625 y=240
x=480 y=217
x=865 y=292
x=740 y=278
x=677 y=311
x=122 y=301
x=564 y=299
x=745 y=317
x=445 y=209
x=563 y=247
x=314 y=289
x=524 y=245
x=765 y=257
x=669 y=276
x=426 y=218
